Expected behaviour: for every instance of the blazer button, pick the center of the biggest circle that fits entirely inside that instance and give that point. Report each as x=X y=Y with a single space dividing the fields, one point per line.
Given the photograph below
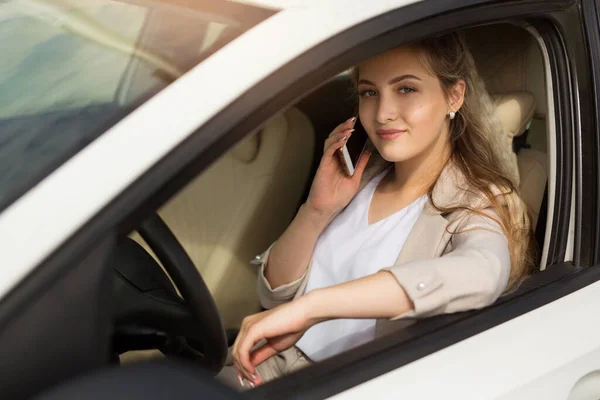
x=420 y=286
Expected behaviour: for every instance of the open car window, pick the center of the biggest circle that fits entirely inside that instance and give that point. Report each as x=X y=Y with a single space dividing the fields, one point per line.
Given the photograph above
x=71 y=69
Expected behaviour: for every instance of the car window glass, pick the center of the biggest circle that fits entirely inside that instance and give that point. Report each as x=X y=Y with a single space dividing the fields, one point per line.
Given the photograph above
x=71 y=69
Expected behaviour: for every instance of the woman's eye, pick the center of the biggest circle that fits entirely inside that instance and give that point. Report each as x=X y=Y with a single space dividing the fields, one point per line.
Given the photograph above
x=405 y=90
x=367 y=93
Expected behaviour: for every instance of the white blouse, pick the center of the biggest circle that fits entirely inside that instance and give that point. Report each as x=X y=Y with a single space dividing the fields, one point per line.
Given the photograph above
x=349 y=248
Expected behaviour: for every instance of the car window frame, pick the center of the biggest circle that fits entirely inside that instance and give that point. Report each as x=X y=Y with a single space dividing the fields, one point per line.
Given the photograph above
x=296 y=387
x=344 y=375
x=591 y=236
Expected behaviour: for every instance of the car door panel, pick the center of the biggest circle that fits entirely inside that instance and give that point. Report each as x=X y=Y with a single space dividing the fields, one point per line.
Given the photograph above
x=57 y=324
x=513 y=360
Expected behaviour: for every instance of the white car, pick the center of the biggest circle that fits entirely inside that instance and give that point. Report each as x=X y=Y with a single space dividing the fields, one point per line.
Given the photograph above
x=199 y=124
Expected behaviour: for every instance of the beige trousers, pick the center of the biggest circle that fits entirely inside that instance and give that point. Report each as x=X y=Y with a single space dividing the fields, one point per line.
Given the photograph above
x=281 y=364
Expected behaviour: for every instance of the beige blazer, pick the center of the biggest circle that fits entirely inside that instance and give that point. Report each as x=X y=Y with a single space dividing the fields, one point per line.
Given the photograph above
x=441 y=271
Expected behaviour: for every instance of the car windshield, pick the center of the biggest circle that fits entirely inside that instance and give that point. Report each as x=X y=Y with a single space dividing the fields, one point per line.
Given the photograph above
x=71 y=69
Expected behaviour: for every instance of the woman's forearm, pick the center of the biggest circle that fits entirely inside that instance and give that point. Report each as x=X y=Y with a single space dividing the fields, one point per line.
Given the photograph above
x=292 y=252
x=374 y=296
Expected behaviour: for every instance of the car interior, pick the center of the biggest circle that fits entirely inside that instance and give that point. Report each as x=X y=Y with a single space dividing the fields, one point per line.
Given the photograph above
x=237 y=207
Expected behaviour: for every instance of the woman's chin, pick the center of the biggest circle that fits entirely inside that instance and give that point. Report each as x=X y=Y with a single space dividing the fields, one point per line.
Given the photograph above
x=395 y=156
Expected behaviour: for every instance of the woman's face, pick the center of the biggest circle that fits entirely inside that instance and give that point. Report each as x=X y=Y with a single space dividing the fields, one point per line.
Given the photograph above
x=402 y=106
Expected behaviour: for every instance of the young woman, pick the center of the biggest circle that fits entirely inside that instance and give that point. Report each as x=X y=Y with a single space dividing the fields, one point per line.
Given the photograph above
x=433 y=225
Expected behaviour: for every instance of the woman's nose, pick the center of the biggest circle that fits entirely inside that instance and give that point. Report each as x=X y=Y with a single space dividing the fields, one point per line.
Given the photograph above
x=386 y=110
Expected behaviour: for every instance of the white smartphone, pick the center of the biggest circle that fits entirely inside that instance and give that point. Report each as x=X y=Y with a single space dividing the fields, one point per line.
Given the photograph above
x=350 y=153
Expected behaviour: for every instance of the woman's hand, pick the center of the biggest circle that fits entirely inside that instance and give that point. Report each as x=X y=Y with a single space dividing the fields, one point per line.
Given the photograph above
x=332 y=189
x=281 y=327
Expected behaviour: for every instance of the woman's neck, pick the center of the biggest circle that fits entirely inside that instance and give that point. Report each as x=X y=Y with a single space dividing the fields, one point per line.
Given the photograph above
x=419 y=173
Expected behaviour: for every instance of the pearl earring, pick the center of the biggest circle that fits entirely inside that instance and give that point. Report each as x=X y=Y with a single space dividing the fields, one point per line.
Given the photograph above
x=452 y=114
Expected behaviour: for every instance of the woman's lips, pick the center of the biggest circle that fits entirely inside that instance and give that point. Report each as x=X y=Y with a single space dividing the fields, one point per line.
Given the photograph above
x=389 y=134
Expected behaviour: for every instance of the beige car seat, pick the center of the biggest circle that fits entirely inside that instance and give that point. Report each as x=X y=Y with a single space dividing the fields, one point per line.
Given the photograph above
x=514 y=111
x=510 y=62
x=237 y=207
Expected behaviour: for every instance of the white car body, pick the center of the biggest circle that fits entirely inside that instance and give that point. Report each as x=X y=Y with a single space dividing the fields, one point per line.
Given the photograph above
x=541 y=354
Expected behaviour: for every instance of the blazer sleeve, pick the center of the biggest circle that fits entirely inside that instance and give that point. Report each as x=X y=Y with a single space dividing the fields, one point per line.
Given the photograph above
x=268 y=297
x=472 y=275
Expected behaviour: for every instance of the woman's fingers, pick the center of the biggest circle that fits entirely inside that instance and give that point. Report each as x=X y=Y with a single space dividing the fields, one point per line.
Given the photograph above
x=273 y=330
x=261 y=354
x=336 y=142
x=249 y=340
x=348 y=124
x=236 y=351
x=334 y=139
x=243 y=356
x=242 y=372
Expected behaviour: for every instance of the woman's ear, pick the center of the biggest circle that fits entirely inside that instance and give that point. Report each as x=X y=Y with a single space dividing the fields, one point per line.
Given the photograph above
x=457 y=95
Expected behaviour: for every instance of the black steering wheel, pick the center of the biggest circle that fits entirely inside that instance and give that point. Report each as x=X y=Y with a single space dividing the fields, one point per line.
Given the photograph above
x=148 y=313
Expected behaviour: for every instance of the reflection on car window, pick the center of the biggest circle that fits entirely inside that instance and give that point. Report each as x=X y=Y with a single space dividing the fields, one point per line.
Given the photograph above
x=71 y=69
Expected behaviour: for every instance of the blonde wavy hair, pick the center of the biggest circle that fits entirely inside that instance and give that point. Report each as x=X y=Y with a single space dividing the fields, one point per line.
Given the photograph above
x=475 y=137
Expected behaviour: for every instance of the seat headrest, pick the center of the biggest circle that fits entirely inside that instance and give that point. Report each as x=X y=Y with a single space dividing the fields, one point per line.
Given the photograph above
x=514 y=111
x=247 y=150
x=509 y=60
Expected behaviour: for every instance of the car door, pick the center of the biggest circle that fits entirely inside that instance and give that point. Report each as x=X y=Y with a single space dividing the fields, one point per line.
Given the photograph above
x=71 y=71
x=477 y=354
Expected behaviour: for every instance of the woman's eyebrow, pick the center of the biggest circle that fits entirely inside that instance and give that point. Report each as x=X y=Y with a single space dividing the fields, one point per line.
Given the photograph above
x=401 y=78
x=391 y=81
